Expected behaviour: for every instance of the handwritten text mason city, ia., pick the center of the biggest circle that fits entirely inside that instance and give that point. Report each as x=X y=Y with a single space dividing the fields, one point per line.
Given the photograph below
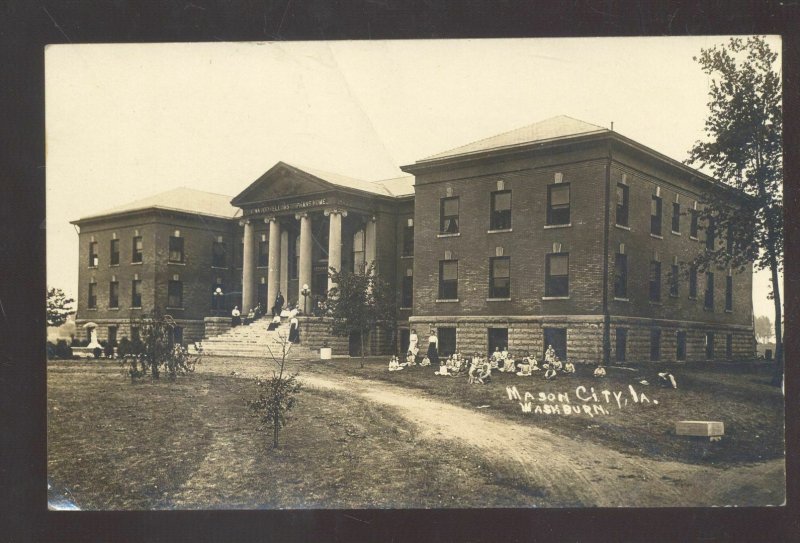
x=586 y=400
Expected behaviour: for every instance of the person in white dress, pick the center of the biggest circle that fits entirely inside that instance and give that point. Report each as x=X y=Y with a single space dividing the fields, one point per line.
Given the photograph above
x=508 y=364
x=569 y=367
x=525 y=368
x=413 y=344
x=599 y=371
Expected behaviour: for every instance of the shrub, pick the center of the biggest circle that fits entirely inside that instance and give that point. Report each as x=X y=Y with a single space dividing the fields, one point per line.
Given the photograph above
x=63 y=350
x=124 y=346
x=155 y=351
x=51 y=350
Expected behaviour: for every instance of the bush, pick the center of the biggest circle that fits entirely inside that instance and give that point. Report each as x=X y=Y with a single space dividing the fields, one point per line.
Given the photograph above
x=276 y=397
x=97 y=351
x=155 y=351
x=63 y=350
x=51 y=350
x=124 y=347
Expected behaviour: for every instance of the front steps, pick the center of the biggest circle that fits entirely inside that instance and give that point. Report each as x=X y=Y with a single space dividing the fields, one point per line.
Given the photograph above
x=255 y=341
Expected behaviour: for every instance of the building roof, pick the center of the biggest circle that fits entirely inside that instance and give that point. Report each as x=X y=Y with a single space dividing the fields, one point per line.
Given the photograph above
x=399 y=186
x=344 y=181
x=553 y=128
x=180 y=199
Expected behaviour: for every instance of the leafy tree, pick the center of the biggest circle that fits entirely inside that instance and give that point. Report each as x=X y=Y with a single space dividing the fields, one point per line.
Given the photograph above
x=58 y=307
x=764 y=329
x=155 y=351
x=744 y=152
x=277 y=394
x=360 y=302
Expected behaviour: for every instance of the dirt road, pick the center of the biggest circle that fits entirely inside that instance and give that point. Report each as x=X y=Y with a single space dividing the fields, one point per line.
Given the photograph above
x=574 y=472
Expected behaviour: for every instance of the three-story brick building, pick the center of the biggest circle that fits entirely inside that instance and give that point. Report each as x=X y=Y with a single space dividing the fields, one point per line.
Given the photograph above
x=560 y=233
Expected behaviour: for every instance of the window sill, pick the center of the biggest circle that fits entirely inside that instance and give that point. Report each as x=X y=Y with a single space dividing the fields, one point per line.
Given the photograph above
x=498 y=299
x=674 y=233
x=499 y=231
x=555 y=297
x=219 y=267
x=92 y=267
x=136 y=307
x=550 y=226
x=448 y=301
x=405 y=308
x=91 y=309
x=264 y=267
x=453 y=235
x=621 y=299
x=113 y=265
x=406 y=256
x=673 y=295
x=729 y=311
x=175 y=308
x=693 y=298
x=657 y=236
x=694 y=238
x=113 y=308
x=623 y=227
x=176 y=263
x=136 y=263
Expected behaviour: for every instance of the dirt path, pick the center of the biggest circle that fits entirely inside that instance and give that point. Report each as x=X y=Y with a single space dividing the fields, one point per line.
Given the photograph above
x=573 y=471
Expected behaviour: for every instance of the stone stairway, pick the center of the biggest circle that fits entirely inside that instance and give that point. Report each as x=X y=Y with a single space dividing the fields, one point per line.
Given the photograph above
x=254 y=341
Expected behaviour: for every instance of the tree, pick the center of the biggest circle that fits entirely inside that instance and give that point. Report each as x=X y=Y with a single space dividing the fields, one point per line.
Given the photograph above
x=58 y=307
x=360 y=302
x=156 y=351
x=743 y=151
x=764 y=329
x=277 y=394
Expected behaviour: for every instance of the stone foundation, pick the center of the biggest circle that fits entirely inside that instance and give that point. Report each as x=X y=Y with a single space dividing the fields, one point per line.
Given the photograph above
x=215 y=326
x=193 y=330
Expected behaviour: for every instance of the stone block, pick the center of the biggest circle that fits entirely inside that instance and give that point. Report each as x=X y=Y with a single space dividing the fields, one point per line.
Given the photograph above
x=700 y=428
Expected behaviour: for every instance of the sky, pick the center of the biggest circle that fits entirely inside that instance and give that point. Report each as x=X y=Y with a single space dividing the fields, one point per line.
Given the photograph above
x=125 y=121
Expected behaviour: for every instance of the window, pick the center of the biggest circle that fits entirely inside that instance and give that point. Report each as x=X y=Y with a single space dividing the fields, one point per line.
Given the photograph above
x=709 y=301
x=218 y=253
x=655 y=281
x=447 y=341
x=294 y=258
x=681 y=346
x=622 y=342
x=137 y=247
x=501 y=210
x=114 y=260
x=175 y=294
x=218 y=297
x=113 y=294
x=676 y=217
x=93 y=258
x=136 y=293
x=558 y=204
x=693 y=224
x=729 y=346
x=621 y=276
x=711 y=234
x=448 y=279
x=175 y=249
x=709 y=345
x=500 y=277
x=674 y=276
x=448 y=217
x=408 y=291
x=112 y=335
x=622 y=204
x=408 y=241
x=729 y=293
x=263 y=253
x=556 y=282
x=655 y=216
x=92 y=302
x=693 y=282
x=655 y=344
x=359 y=251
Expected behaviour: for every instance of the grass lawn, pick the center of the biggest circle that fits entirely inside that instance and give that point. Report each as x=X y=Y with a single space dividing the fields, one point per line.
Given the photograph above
x=739 y=395
x=193 y=443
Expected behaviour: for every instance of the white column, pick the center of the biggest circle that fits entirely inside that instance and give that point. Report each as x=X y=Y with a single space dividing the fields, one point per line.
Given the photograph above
x=274 y=273
x=370 y=242
x=248 y=267
x=284 y=273
x=335 y=241
x=304 y=271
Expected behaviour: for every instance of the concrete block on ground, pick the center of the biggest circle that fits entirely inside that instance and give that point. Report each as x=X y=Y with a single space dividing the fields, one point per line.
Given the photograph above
x=701 y=428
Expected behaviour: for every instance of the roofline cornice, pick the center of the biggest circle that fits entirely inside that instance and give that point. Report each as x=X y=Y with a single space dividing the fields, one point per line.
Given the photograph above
x=147 y=211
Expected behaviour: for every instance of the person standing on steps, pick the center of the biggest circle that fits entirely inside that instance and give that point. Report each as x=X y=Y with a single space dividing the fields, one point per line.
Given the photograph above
x=236 y=319
x=276 y=308
x=294 y=330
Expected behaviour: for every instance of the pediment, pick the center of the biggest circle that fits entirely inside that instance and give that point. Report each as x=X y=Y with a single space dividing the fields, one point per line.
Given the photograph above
x=279 y=182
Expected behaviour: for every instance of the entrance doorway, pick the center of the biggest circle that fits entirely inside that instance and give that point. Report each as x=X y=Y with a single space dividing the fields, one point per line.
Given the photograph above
x=355 y=344
x=405 y=334
x=498 y=337
x=557 y=337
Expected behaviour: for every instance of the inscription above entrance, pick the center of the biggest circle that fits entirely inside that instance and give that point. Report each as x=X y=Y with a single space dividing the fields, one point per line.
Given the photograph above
x=285 y=207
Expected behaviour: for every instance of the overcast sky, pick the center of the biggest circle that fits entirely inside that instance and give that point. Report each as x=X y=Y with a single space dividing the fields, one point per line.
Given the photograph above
x=127 y=121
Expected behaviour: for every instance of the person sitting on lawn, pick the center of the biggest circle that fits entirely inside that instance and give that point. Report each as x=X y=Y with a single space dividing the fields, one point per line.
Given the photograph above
x=599 y=371
x=394 y=364
x=503 y=354
x=569 y=367
x=550 y=374
x=534 y=363
x=666 y=379
x=443 y=367
x=495 y=359
x=549 y=355
x=556 y=364
x=508 y=364
x=474 y=367
x=525 y=368
x=425 y=362
x=485 y=373
x=411 y=359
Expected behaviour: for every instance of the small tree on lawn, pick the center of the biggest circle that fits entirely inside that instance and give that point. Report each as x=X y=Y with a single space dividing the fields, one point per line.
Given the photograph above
x=744 y=151
x=156 y=351
x=276 y=395
x=58 y=307
x=360 y=302
x=764 y=329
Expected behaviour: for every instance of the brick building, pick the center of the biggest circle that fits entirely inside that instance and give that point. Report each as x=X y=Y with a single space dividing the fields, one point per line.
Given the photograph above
x=561 y=233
